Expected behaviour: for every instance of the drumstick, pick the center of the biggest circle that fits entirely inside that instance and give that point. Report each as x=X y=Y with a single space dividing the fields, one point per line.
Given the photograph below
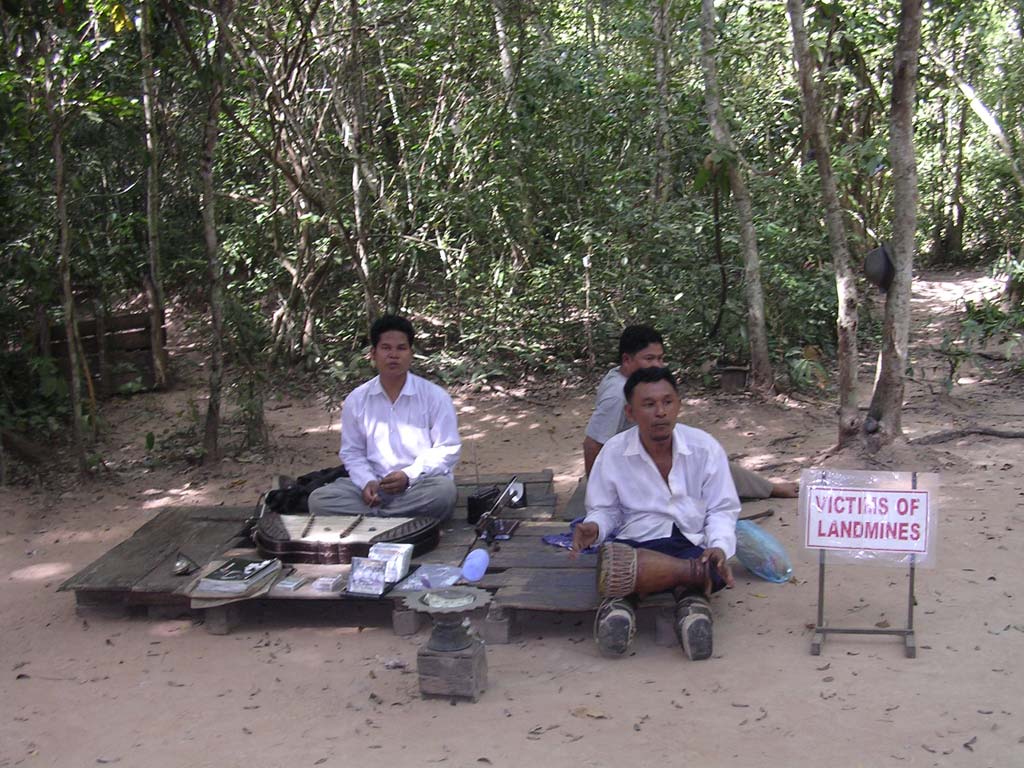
x=347 y=531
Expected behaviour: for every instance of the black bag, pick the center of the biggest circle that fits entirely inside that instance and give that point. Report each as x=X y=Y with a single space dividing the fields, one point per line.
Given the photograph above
x=294 y=500
x=481 y=502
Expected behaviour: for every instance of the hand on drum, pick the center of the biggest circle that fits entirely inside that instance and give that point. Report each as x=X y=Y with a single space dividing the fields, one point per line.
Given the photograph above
x=583 y=536
x=716 y=557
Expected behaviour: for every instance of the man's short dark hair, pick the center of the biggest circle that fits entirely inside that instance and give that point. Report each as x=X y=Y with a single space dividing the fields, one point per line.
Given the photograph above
x=386 y=323
x=636 y=337
x=648 y=376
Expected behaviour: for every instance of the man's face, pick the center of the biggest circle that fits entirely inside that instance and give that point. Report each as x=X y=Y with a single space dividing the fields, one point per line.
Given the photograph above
x=651 y=356
x=392 y=355
x=654 y=407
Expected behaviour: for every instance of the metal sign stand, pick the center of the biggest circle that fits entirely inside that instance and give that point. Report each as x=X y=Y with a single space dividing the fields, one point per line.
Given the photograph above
x=907 y=633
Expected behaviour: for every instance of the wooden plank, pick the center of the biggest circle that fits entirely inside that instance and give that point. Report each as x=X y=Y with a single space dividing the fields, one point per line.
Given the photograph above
x=111 y=323
x=550 y=590
x=459 y=532
x=125 y=341
x=133 y=558
x=535 y=529
x=534 y=589
x=532 y=512
x=201 y=540
x=153 y=548
x=536 y=493
x=544 y=476
x=306 y=591
x=526 y=553
x=238 y=514
x=447 y=554
x=521 y=577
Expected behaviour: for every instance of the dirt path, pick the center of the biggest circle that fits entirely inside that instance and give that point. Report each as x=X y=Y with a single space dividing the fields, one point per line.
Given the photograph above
x=134 y=692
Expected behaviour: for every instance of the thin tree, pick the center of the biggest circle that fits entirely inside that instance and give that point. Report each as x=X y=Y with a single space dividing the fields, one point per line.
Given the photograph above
x=53 y=102
x=1014 y=291
x=846 y=285
x=215 y=267
x=661 y=14
x=883 y=423
x=762 y=378
x=152 y=280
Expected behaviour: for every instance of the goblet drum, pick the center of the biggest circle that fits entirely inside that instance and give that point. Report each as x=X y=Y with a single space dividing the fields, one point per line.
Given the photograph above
x=624 y=570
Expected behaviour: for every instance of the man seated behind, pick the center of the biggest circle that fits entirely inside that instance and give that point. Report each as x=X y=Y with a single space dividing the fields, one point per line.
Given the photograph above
x=666 y=487
x=399 y=438
x=641 y=346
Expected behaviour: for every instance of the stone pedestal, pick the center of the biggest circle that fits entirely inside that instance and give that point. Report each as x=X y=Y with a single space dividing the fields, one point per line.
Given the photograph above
x=461 y=673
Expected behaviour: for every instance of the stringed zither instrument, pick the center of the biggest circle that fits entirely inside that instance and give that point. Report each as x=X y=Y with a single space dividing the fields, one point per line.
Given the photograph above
x=336 y=539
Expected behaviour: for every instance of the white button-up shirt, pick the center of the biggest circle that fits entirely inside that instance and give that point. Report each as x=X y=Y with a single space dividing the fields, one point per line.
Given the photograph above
x=417 y=434
x=627 y=495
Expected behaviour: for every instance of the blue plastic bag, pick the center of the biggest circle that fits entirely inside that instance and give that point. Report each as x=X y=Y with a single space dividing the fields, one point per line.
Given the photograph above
x=761 y=553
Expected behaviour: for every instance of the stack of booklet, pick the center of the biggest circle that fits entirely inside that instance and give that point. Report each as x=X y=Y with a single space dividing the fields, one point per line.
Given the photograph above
x=239 y=576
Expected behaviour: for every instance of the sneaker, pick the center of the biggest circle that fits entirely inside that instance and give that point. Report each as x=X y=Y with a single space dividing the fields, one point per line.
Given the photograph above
x=693 y=627
x=615 y=627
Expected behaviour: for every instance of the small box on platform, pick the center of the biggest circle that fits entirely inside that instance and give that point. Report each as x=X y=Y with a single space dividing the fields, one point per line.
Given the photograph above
x=330 y=583
x=397 y=556
x=367 y=577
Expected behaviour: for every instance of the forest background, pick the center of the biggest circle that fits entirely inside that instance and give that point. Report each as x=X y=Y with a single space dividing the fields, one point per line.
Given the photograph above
x=522 y=178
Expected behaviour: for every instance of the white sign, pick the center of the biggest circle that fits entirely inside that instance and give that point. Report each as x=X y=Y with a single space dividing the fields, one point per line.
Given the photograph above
x=867 y=519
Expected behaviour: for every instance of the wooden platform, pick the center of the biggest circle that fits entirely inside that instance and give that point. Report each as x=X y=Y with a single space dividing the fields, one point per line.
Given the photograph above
x=525 y=573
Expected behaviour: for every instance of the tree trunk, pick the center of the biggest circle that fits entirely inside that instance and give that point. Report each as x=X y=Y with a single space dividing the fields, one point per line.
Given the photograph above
x=64 y=254
x=215 y=269
x=884 y=421
x=361 y=210
x=846 y=285
x=955 y=230
x=508 y=67
x=153 y=281
x=662 y=149
x=762 y=378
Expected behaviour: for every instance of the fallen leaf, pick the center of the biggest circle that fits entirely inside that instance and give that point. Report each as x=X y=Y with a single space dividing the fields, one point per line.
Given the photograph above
x=594 y=714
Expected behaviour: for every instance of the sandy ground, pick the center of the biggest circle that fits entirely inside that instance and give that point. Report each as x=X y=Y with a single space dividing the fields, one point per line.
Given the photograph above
x=87 y=690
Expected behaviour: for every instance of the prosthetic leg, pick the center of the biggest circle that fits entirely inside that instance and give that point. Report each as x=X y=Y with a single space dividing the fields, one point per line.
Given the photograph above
x=693 y=625
x=615 y=626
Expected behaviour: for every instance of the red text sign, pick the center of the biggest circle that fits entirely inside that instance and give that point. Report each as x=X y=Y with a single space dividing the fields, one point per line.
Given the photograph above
x=867 y=519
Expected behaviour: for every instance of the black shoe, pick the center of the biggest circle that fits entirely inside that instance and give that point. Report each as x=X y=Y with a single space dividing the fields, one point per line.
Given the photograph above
x=693 y=627
x=615 y=627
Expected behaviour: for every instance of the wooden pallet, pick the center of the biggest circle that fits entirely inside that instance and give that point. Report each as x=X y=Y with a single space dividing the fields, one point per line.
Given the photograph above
x=137 y=573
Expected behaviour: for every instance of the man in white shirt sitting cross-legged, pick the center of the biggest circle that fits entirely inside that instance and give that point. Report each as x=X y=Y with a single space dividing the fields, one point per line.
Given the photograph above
x=665 y=487
x=399 y=438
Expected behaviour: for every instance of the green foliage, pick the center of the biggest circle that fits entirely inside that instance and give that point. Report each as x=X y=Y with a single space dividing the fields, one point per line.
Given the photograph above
x=512 y=217
x=33 y=393
x=987 y=320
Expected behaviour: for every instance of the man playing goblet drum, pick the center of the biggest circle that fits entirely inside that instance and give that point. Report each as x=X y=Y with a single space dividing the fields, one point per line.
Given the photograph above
x=665 y=488
x=641 y=346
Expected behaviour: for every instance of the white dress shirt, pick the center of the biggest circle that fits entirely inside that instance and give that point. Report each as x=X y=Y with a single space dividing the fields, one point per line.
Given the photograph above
x=417 y=434
x=627 y=495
